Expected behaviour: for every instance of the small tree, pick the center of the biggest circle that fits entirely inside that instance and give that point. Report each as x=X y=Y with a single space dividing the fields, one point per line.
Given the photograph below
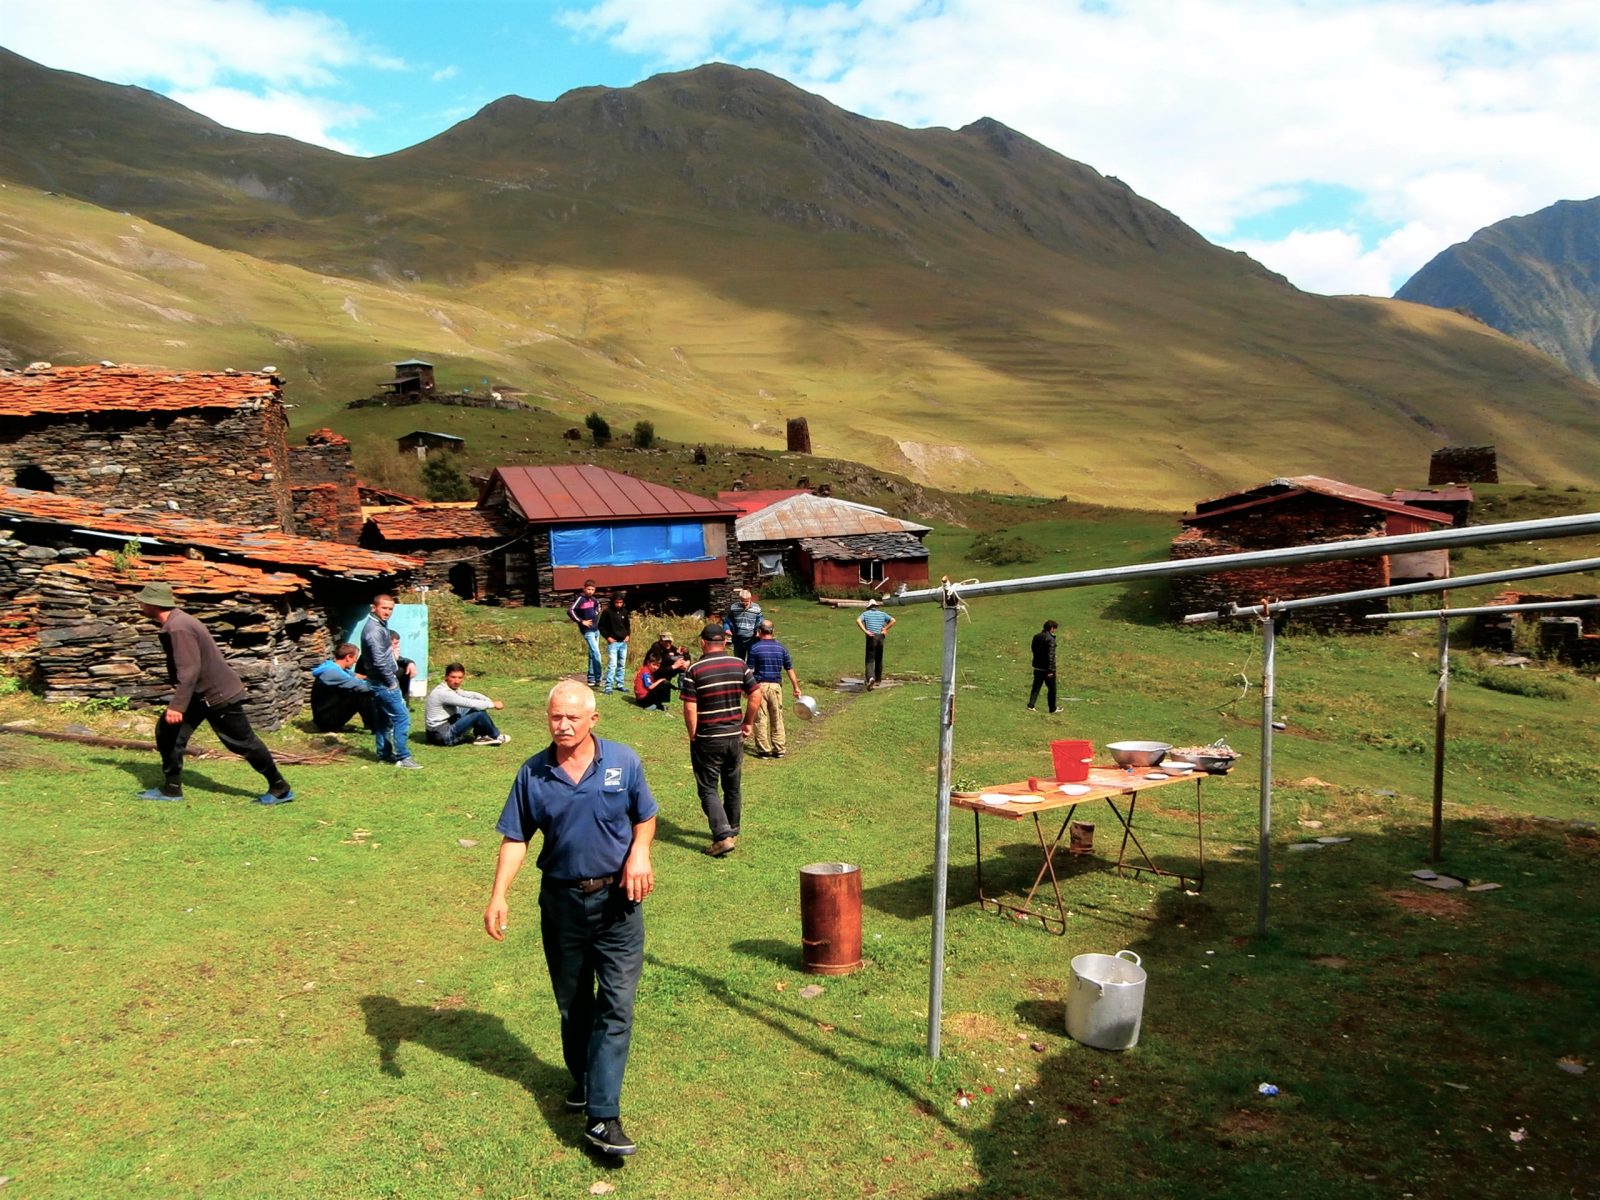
x=644 y=435
x=443 y=480
x=599 y=428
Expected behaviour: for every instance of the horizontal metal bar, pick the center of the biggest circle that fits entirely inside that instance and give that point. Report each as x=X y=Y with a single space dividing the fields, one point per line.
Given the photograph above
x=1485 y=609
x=1409 y=543
x=1402 y=589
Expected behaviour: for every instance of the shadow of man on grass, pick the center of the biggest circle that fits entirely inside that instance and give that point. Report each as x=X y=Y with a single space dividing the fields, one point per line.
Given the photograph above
x=146 y=772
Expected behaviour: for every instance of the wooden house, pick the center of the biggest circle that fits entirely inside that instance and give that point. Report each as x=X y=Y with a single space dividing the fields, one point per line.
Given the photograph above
x=420 y=441
x=838 y=544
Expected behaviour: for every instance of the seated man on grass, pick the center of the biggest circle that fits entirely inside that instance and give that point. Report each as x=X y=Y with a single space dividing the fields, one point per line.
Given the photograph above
x=338 y=693
x=454 y=716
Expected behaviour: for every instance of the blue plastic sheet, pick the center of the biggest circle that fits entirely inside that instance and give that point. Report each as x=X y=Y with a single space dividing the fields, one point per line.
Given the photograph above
x=624 y=545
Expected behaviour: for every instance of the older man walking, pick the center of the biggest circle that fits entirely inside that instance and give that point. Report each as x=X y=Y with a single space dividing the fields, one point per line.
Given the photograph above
x=589 y=798
x=711 y=690
x=769 y=663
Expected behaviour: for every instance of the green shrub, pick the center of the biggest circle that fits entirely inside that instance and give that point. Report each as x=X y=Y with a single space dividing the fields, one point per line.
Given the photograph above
x=780 y=587
x=1521 y=683
x=1000 y=549
x=442 y=480
x=644 y=435
x=599 y=428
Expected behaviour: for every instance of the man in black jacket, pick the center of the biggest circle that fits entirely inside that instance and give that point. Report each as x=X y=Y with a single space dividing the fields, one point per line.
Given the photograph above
x=205 y=688
x=1044 y=665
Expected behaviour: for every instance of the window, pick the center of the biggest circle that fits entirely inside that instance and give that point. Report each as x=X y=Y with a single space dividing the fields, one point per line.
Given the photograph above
x=872 y=571
x=771 y=564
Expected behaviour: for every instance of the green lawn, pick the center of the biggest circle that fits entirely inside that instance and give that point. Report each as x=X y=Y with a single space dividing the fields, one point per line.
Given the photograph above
x=215 y=999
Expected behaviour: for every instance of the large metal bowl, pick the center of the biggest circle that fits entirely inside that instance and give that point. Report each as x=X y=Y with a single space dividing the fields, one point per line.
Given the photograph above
x=1138 y=754
x=805 y=707
x=1211 y=764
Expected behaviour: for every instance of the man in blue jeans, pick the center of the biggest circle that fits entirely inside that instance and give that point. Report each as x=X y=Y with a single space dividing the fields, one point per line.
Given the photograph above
x=585 y=613
x=393 y=718
x=590 y=799
x=455 y=716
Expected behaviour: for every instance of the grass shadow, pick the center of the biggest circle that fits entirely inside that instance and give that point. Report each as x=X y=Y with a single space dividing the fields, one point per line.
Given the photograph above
x=780 y=954
x=669 y=831
x=147 y=774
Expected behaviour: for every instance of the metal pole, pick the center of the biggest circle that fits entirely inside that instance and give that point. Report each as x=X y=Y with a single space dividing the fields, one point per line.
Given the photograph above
x=1445 y=539
x=1438 y=737
x=1269 y=685
x=941 y=838
x=1484 y=610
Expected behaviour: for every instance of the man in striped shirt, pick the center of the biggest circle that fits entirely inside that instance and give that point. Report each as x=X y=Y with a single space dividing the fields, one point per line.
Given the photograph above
x=874 y=623
x=712 y=690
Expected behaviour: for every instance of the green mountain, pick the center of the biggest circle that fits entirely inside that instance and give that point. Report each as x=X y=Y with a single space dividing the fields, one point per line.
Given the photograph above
x=1536 y=278
x=716 y=251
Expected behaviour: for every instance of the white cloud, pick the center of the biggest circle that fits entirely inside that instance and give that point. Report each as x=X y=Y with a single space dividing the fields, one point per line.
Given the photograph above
x=444 y=73
x=304 y=118
x=1440 y=116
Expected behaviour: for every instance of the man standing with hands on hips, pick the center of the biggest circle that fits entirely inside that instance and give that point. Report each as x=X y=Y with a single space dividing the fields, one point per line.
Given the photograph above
x=590 y=799
x=875 y=623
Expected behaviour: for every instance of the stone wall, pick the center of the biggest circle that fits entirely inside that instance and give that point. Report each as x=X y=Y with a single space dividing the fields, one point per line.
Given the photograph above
x=1464 y=464
x=94 y=643
x=224 y=464
x=325 y=491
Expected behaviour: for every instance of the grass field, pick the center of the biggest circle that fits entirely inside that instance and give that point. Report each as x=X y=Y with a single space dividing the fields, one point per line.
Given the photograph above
x=215 y=999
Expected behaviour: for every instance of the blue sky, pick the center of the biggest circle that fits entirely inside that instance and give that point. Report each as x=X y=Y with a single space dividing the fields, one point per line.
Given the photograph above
x=1340 y=142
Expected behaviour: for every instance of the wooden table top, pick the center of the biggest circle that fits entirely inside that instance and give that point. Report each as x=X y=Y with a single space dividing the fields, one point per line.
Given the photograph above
x=1103 y=782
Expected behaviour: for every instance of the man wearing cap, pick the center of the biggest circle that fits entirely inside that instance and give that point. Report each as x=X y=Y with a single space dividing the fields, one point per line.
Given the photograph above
x=205 y=688
x=875 y=623
x=673 y=660
x=769 y=662
x=712 y=689
x=590 y=799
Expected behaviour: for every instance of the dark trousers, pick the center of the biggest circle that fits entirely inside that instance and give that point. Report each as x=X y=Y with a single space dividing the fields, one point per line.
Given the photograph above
x=741 y=646
x=232 y=728
x=594 y=948
x=333 y=708
x=474 y=723
x=874 y=667
x=660 y=692
x=717 y=764
x=1048 y=679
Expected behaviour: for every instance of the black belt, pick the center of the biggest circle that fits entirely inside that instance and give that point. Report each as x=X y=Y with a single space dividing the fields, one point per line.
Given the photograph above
x=587 y=887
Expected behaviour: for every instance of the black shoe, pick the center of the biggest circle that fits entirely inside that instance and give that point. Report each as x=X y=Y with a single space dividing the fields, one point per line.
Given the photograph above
x=605 y=1134
x=577 y=1099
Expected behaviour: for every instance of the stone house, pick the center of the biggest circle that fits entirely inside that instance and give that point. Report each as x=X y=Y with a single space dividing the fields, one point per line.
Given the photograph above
x=459 y=545
x=1297 y=511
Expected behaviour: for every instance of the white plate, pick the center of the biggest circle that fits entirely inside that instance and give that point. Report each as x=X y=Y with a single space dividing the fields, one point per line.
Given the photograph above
x=1029 y=798
x=1177 y=768
x=1156 y=775
x=991 y=798
x=1075 y=789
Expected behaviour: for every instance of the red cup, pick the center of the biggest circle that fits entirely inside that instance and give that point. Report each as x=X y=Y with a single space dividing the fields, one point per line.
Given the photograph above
x=1071 y=757
x=1033 y=783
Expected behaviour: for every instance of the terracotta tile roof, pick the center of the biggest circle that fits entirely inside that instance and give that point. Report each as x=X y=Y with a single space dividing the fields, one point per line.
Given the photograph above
x=865 y=547
x=438 y=523
x=325 y=437
x=1295 y=485
x=72 y=390
x=748 y=502
x=20 y=506
x=555 y=495
x=808 y=516
x=188 y=576
x=378 y=495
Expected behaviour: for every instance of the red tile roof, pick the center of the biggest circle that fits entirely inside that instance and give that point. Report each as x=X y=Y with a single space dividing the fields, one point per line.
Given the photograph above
x=326 y=437
x=188 y=576
x=437 y=523
x=554 y=495
x=20 y=506
x=749 y=502
x=1279 y=489
x=72 y=390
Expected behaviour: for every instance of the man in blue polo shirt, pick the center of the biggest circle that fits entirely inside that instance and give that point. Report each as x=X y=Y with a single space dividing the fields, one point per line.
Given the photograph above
x=590 y=799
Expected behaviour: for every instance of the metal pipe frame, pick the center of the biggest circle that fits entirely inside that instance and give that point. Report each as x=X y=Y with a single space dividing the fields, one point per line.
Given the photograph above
x=1485 y=610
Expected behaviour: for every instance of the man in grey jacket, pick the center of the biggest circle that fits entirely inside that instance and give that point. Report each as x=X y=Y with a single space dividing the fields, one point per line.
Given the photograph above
x=204 y=688
x=455 y=716
x=389 y=703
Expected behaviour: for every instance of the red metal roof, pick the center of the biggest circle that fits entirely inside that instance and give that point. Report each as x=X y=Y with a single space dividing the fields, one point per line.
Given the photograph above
x=437 y=523
x=1453 y=495
x=71 y=390
x=20 y=506
x=1277 y=490
x=749 y=502
x=553 y=495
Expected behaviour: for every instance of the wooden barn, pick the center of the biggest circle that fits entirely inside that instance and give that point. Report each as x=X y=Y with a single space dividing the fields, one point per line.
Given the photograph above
x=1296 y=511
x=838 y=544
x=461 y=546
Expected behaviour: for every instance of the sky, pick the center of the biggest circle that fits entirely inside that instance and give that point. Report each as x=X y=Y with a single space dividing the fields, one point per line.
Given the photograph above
x=1342 y=143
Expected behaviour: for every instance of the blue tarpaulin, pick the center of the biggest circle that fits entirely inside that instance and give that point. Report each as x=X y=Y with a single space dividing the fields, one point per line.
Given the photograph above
x=624 y=545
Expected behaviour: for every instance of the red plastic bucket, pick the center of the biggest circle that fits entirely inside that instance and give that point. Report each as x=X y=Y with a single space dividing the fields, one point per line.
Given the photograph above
x=1072 y=757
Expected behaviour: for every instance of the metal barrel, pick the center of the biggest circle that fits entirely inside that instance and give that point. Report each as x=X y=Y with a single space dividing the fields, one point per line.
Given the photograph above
x=830 y=918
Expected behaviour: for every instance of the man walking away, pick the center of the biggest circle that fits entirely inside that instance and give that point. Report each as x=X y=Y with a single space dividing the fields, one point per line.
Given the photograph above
x=744 y=618
x=585 y=613
x=769 y=662
x=1044 y=665
x=589 y=798
x=875 y=623
x=205 y=688
x=394 y=718
x=338 y=693
x=711 y=690
x=455 y=716
x=616 y=627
